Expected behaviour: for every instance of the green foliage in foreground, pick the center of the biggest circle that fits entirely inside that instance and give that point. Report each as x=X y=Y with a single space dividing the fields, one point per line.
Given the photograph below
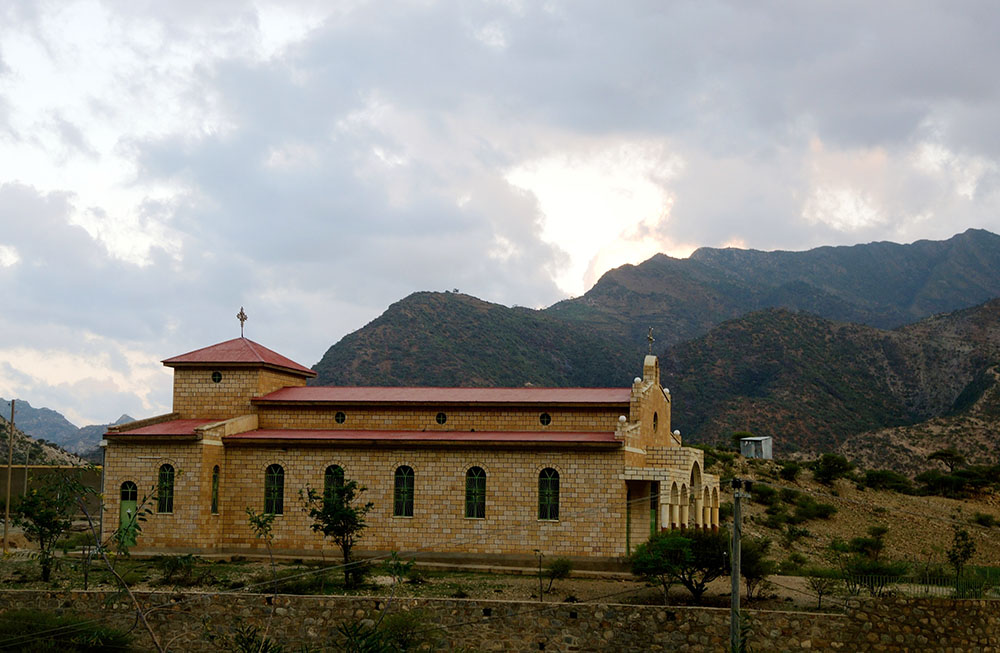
x=692 y=559
x=46 y=512
x=31 y=631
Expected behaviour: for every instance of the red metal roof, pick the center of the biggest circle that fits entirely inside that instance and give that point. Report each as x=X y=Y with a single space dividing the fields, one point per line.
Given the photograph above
x=240 y=351
x=347 y=436
x=404 y=395
x=173 y=427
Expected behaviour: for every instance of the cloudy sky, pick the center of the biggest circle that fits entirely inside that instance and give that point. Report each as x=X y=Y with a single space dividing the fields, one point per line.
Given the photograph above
x=164 y=163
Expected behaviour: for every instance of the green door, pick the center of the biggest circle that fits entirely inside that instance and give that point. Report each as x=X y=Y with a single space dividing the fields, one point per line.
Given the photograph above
x=129 y=504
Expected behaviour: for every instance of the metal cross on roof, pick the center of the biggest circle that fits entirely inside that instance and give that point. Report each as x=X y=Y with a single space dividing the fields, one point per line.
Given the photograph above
x=651 y=339
x=242 y=317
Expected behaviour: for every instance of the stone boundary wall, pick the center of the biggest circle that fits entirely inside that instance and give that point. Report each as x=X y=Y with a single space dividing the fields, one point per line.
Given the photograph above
x=893 y=625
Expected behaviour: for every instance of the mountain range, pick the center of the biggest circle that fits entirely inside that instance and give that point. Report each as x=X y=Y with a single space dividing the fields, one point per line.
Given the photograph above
x=53 y=427
x=834 y=348
x=811 y=347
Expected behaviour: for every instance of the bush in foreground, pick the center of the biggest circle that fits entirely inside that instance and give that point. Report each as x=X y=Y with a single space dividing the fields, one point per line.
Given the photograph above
x=31 y=631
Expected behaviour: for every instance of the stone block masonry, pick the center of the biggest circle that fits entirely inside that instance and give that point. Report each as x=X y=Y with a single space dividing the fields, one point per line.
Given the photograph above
x=889 y=626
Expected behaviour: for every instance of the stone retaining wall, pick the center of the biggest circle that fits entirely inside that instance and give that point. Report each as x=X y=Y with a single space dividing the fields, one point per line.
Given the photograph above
x=891 y=625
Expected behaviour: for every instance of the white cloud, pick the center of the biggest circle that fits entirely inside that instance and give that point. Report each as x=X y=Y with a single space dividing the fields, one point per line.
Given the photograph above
x=8 y=256
x=604 y=205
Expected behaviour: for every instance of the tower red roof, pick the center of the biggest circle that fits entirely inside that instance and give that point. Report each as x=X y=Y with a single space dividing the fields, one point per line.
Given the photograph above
x=238 y=351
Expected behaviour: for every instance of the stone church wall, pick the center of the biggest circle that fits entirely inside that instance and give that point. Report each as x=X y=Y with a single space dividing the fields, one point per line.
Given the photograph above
x=591 y=499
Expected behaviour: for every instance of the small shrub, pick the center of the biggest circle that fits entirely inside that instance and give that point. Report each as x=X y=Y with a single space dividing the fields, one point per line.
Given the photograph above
x=44 y=632
x=459 y=593
x=886 y=479
x=808 y=509
x=75 y=541
x=790 y=470
x=176 y=570
x=792 y=565
x=776 y=517
x=788 y=495
x=414 y=577
x=292 y=581
x=765 y=495
x=793 y=534
x=726 y=511
x=405 y=631
x=557 y=569
x=829 y=467
x=982 y=519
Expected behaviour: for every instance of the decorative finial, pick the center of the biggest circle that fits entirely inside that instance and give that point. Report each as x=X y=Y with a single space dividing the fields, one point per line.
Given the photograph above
x=651 y=339
x=242 y=317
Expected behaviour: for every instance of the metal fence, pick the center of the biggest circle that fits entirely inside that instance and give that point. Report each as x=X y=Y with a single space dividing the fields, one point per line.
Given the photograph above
x=975 y=584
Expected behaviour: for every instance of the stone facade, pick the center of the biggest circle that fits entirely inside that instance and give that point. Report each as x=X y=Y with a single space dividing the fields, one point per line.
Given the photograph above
x=881 y=625
x=622 y=473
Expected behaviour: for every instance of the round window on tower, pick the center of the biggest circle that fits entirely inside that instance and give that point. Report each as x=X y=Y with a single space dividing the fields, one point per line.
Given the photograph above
x=340 y=417
x=545 y=419
x=216 y=377
x=441 y=418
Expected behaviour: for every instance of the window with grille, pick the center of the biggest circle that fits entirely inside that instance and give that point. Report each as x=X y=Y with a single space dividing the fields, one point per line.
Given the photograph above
x=165 y=489
x=274 y=490
x=333 y=480
x=548 y=494
x=475 y=493
x=215 y=490
x=402 y=504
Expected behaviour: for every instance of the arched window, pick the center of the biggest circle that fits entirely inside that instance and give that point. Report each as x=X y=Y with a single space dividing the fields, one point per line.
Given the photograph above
x=475 y=493
x=402 y=494
x=129 y=491
x=274 y=490
x=215 y=490
x=333 y=479
x=165 y=489
x=548 y=494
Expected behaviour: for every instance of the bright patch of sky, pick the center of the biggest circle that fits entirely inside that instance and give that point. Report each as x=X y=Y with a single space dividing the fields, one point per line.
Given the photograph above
x=604 y=207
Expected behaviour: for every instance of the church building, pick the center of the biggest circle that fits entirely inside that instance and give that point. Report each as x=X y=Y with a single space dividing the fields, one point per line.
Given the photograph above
x=491 y=474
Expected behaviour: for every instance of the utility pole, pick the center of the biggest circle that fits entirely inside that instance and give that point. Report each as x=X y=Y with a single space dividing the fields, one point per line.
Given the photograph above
x=10 y=465
x=27 y=452
x=734 y=557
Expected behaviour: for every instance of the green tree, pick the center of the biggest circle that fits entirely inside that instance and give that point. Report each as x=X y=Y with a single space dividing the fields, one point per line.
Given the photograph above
x=861 y=564
x=46 y=512
x=962 y=549
x=692 y=559
x=950 y=457
x=557 y=569
x=829 y=467
x=821 y=582
x=336 y=515
x=755 y=566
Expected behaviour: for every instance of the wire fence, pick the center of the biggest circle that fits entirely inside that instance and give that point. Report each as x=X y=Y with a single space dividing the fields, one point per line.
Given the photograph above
x=980 y=584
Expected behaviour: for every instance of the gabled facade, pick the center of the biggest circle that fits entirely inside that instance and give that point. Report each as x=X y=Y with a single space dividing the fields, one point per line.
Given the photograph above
x=484 y=472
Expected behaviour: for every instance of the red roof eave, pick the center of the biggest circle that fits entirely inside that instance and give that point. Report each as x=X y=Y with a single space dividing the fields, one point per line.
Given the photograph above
x=176 y=427
x=344 y=395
